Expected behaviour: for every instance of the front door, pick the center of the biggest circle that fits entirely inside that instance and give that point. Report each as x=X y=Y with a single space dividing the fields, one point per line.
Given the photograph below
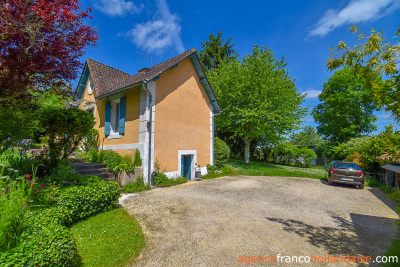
x=186 y=163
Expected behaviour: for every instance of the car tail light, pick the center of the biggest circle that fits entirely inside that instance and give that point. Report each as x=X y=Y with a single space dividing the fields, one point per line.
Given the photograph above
x=359 y=172
x=333 y=170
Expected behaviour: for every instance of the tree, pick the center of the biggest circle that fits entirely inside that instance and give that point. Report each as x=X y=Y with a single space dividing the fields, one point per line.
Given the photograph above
x=346 y=108
x=215 y=50
x=257 y=96
x=40 y=44
x=66 y=129
x=308 y=136
x=374 y=55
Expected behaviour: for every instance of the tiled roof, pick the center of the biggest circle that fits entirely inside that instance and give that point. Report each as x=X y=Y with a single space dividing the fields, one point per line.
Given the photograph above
x=107 y=79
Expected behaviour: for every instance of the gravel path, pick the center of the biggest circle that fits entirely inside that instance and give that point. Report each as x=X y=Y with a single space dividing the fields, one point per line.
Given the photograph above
x=214 y=222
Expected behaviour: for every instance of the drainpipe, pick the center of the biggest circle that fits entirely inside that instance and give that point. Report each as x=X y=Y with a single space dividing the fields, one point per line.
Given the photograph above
x=150 y=130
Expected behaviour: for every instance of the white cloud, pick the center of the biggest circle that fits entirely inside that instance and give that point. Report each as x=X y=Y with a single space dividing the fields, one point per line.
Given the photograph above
x=118 y=7
x=356 y=11
x=162 y=32
x=312 y=93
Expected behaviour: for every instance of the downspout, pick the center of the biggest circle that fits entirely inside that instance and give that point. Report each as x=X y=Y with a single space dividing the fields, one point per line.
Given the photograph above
x=150 y=130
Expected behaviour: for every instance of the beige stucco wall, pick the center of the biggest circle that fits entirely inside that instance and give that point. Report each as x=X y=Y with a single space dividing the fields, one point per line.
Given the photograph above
x=182 y=117
x=132 y=111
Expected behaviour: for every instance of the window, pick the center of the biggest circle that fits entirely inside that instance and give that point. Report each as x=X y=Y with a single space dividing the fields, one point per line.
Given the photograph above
x=91 y=87
x=115 y=118
x=114 y=122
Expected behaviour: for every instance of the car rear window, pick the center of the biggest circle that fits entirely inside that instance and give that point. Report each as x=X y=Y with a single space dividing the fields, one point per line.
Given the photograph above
x=350 y=166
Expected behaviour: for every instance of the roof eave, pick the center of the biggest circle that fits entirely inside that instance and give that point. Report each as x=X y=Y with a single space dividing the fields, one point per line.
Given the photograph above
x=123 y=89
x=206 y=84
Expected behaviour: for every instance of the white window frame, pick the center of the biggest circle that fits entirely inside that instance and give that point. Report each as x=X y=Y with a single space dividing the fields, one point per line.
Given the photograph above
x=114 y=133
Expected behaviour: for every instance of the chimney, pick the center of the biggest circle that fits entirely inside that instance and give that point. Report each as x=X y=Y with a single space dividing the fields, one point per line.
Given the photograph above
x=144 y=70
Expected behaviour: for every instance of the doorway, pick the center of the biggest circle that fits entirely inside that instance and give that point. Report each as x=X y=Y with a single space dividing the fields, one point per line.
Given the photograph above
x=186 y=168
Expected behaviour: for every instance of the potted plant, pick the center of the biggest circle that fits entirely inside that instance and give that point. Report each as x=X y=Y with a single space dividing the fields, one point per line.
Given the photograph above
x=198 y=172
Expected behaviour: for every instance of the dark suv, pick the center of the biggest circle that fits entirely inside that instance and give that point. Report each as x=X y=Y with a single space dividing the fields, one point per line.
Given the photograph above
x=345 y=172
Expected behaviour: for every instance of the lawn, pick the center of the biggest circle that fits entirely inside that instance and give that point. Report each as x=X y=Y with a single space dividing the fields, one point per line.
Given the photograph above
x=269 y=169
x=112 y=238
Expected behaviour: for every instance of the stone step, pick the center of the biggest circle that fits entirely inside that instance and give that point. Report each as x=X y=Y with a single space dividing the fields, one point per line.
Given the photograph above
x=87 y=166
x=77 y=159
x=93 y=171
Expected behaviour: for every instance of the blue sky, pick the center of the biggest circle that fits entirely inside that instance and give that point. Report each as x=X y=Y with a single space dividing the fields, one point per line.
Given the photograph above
x=301 y=31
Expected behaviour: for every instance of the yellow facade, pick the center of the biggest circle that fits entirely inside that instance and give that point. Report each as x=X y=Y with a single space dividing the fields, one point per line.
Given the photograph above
x=182 y=117
x=132 y=111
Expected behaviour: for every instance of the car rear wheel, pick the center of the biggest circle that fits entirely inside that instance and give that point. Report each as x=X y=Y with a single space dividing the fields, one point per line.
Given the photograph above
x=329 y=182
x=361 y=186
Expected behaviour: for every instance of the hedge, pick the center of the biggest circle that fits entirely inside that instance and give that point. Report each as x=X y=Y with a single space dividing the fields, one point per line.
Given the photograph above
x=47 y=241
x=222 y=152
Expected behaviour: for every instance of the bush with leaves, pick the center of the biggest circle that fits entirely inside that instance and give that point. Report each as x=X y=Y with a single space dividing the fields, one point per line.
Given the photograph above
x=66 y=129
x=139 y=185
x=162 y=180
x=364 y=150
x=222 y=152
x=46 y=240
x=91 y=141
x=306 y=155
x=13 y=209
x=138 y=159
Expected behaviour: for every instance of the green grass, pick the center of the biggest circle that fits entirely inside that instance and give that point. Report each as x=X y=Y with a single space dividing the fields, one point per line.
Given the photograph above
x=269 y=169
x=112 y=238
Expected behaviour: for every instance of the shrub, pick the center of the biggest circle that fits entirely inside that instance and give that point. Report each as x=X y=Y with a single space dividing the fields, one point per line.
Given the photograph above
x=138 y=160
x=162 y=180
x=91 y=141
x=139 y=185
x=222 y=152
x=44 y=243
x=306 y=155
x=114 y=161
x=66 y=129
x=46 y=240
x=63 y=173
x=12 y=212
x=211 y=169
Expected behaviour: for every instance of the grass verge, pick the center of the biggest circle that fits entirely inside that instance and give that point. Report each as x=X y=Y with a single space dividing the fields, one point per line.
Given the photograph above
x=269 y=169
x=112 y=238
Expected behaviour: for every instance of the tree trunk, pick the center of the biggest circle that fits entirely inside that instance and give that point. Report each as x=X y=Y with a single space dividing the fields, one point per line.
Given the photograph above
x=247 y=142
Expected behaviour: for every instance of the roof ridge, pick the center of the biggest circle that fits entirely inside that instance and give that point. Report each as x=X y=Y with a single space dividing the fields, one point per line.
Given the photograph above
x=108 y=66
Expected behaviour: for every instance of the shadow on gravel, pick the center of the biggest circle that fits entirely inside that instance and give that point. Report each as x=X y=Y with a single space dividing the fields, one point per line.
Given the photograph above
x=382 y=197
x=341 y=240
x=349 y=186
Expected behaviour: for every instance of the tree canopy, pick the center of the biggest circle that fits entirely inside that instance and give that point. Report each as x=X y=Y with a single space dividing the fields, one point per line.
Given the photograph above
x=374 y=54
x=257 y=96
x=215 y=50
x=308 y=136
x=346 y=108
x=40 y=44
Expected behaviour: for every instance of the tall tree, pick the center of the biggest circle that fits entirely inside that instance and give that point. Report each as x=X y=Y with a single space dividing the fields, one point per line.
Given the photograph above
x=346 y=108
x=308 y=136
x=375 y=55
x=257 y=96
x=215 y=50
x=40 y=44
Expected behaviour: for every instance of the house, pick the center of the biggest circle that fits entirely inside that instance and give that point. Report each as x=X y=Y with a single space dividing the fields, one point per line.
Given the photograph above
x=165 y=111
x=392 y=175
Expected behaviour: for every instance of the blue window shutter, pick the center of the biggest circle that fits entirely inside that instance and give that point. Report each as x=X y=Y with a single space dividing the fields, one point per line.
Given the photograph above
x=107 y=123
x=122 y=115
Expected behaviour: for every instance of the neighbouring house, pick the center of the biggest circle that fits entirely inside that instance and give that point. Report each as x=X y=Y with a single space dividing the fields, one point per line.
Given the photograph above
x=392 y=175
x=178 y=133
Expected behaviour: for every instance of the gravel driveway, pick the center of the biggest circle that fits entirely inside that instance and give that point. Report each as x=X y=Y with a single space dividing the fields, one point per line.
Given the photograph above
x=214 y=222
